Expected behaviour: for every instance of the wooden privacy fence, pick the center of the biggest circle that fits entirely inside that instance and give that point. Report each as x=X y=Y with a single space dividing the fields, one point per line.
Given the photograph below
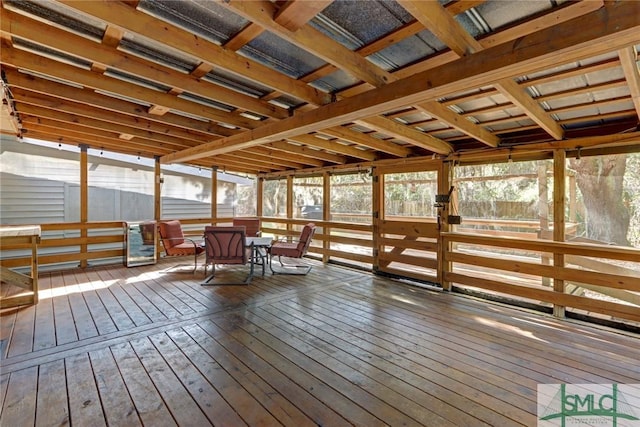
x=615 y=271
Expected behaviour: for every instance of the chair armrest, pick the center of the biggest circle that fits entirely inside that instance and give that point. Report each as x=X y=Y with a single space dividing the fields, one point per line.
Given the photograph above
x=289 y=239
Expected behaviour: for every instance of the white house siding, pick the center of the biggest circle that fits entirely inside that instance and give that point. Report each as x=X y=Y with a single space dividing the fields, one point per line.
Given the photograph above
x=40 y=185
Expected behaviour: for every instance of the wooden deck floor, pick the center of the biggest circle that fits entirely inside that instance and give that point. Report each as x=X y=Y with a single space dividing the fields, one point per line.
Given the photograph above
x=139 y=346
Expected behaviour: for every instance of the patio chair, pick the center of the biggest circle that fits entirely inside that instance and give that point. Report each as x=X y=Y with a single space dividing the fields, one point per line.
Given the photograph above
x=176 y=244
x=292 y=249
x=252 y=225
x=227 y=245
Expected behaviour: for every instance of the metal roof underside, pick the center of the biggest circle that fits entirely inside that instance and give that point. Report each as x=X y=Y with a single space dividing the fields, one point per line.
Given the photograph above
x=201 y=71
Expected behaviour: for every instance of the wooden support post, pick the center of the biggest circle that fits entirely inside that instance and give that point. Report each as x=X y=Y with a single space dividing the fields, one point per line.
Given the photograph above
x=444 y=267
x=259 y=197
x=543 y=214
x=377 y=210
x=157 y=189
x=84 y=201
x=326 y=215
x=289 y=203
x=214 y=196
x=572 y=198
x=559 y=188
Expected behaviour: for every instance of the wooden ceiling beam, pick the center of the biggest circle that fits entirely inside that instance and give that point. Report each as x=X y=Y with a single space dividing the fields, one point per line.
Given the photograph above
x=459 y=122
x=163 y=140
x=449 y=31
x=324 y=47
x=401 y=33
x=397 y=130
x=335 y=147
x=81 y=47
x=52 y=131
x=93 y=138
x=586 y=36
x=121 y=15
x=306 y=151
x=628 y=60
x=261 y=12
x=244 y=36
x=289 y=157
x=93 y=129
x=257 y=161
x=293 y=14
x=29 y=61
x=360 y=138
x=57 y=93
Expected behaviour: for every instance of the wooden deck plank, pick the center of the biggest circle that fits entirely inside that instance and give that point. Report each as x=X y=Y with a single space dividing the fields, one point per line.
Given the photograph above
x=510 y=331
x=44 y=334
x=84 y=401
x=7 y=324
x=251 y=386
x=483 y=356
x=148 y=402
x=22 y=334
x=384 y=386
x=401 y=377
x=101 y=317
x=214 y=406
x=116 y=403
x=437 y=379
x=65 y=326
x=360 y=407
x=183 y=408
x=102 y=285
x=52 y=406
x=335 y=347
x=160 y=287
x=300 y=396
x=19 y=406
x=84 y=323
x=4 y=383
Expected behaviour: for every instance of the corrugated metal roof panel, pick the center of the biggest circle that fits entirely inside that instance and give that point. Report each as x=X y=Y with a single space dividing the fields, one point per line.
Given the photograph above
x=498 y=13
x=160 y=54
x=281 y=55
x=51 y=53
x=60 y=16
x=201 y=17
x=408 y=51
x=336 y=81
x=235 y=82
x=350 y=22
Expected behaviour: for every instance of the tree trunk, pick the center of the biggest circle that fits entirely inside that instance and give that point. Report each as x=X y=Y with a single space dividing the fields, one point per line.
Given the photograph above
x=600 y=180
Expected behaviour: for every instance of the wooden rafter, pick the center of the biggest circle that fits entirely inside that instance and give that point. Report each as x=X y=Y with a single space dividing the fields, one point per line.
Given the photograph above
x=295 y=13
x=447 y=29
x=483 y=68
x=629 y=61
x=335 y=53
x=141 y=23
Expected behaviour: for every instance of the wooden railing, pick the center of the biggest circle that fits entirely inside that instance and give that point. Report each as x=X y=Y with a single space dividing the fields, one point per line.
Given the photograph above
x=517 y=267
x=332 y=240
x=505 y=265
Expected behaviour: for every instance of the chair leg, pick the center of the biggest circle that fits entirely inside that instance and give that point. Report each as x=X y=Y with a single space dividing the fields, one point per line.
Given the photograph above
x=209 y=280
x=292 y=269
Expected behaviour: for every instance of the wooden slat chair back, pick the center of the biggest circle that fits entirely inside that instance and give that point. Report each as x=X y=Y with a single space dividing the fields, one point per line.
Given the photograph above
x=176 y=244
x=293 y=249
x=227 y=245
